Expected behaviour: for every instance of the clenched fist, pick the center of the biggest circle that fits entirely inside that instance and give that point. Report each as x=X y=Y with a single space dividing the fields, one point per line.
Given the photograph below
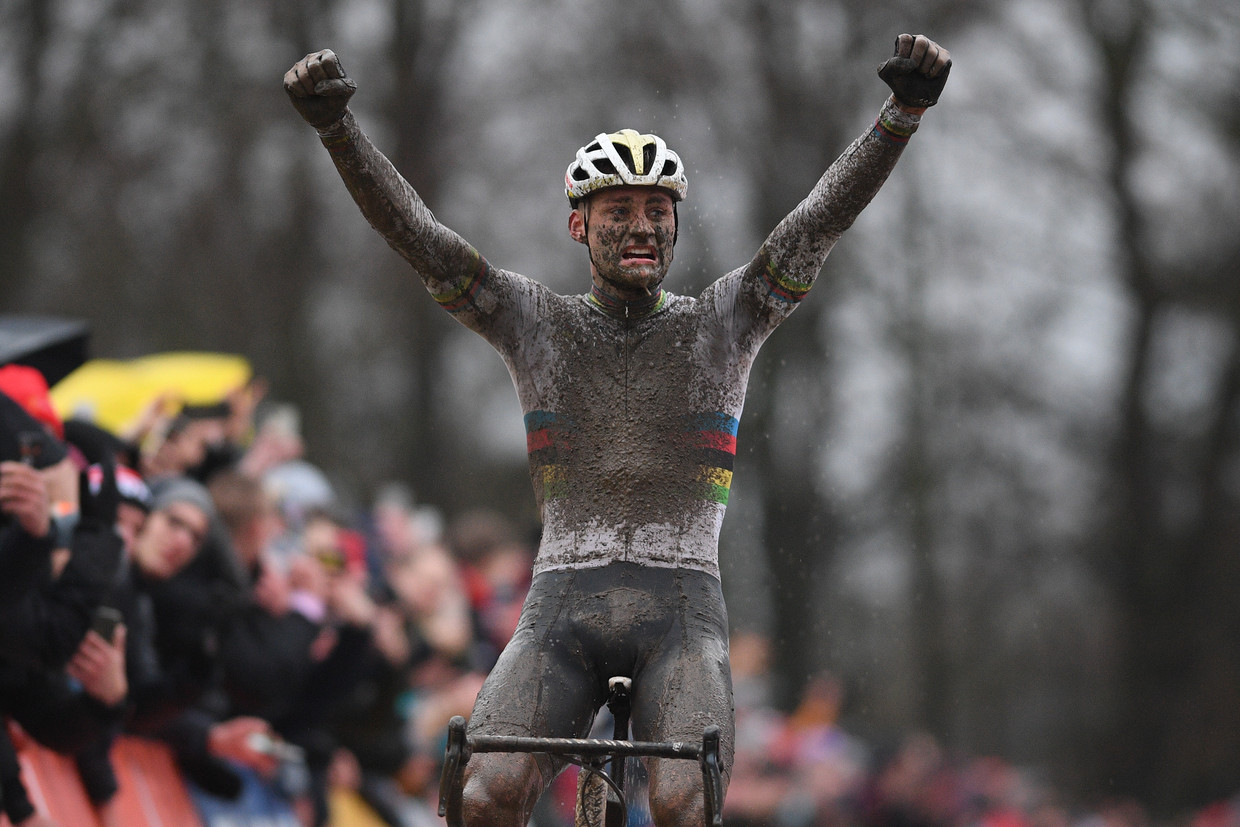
x=917 y=71
x=319 y=88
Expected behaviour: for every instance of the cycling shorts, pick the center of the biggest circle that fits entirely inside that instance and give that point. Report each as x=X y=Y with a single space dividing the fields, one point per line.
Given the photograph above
x=666 y=629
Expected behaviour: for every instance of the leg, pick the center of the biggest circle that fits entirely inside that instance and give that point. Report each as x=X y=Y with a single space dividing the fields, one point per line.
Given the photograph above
x=540 y=686
x=501 y=789
x=684 y=687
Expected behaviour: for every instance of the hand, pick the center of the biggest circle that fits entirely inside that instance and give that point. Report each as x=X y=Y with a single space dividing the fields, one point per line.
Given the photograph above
x=235 y=740
x=319 y=88
x=99 y=665
x=348 y=602
x=917 y=72
x=23 y=495
x=271 y=590
x=98 y=495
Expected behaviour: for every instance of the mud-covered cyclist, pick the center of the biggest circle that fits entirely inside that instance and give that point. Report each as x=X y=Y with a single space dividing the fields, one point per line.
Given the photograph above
x=631 y=396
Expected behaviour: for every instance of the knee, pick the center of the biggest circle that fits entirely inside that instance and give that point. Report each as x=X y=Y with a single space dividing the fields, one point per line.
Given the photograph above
x=678 y=806
x=493 y=798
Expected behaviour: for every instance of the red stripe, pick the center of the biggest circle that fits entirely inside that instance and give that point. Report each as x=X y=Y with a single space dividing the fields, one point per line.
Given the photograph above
x=537 y=440
x=712 y=439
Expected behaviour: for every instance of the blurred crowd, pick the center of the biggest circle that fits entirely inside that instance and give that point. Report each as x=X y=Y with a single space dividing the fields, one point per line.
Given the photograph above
x=197 y=580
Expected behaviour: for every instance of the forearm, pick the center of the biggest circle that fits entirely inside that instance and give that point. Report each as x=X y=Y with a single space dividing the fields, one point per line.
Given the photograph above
x=792 y=255
x=392 y=206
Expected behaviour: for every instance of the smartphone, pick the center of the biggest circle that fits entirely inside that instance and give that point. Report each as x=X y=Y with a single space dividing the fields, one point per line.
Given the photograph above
x=275 y=747
x=30 y=446
x=105 y=621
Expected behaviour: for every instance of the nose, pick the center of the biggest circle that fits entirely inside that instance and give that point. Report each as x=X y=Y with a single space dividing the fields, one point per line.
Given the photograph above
x=642 y=225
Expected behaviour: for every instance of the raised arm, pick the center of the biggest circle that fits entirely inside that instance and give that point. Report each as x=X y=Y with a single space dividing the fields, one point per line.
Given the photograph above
x=788 y=262
x=453 y=271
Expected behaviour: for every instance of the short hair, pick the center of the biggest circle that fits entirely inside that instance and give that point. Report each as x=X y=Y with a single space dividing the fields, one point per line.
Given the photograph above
x=239 y=499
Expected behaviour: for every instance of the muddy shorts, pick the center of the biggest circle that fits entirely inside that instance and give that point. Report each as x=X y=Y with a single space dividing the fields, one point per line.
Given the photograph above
x=664 y=628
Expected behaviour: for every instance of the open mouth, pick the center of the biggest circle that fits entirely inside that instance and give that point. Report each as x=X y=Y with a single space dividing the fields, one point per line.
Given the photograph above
x=638 y=255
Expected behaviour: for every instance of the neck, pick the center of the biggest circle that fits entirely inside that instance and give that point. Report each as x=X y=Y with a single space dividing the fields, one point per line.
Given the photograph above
x=613 y=305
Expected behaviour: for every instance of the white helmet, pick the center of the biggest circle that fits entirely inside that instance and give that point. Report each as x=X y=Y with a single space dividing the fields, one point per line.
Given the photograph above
x=625 y=158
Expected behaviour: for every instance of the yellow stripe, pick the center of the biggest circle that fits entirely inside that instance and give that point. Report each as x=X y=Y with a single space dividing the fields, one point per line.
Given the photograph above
x=554 y=481
x=716 y=476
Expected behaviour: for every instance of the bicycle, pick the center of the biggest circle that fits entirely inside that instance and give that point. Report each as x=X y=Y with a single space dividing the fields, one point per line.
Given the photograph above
x=600 y=793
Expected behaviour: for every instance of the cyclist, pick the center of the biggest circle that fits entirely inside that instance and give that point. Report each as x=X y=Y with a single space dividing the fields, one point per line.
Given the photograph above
x=631 y=396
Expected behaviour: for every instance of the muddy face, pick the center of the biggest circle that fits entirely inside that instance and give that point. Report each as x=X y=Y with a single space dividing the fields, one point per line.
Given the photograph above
x=630 y=232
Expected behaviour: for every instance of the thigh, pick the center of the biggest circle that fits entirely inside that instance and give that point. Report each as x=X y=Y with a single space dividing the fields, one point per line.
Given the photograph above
x=541 y=685
x=685 y=683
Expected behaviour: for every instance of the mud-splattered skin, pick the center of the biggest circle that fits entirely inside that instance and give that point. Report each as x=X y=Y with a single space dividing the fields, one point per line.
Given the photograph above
x=631 y=396
x=631 y=232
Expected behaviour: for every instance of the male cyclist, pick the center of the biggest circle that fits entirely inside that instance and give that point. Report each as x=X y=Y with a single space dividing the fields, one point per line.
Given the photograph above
x=631 y=397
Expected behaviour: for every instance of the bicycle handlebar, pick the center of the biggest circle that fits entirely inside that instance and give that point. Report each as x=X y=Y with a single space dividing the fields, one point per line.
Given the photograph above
x=461 y=746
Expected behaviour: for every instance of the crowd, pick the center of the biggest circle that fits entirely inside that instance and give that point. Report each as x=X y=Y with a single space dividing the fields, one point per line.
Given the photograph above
x=195 y=580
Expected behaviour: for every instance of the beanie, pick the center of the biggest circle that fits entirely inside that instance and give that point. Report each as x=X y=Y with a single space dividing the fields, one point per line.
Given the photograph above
x=170 y=490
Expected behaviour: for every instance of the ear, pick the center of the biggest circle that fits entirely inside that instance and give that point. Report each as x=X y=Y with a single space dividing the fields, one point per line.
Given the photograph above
x=577 y=225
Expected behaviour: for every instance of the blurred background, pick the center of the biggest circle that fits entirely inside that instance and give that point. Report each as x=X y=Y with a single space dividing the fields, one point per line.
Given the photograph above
x=1014 y=393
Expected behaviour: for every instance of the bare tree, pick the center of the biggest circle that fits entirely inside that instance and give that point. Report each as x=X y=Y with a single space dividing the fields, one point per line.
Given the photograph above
x=1168 y=540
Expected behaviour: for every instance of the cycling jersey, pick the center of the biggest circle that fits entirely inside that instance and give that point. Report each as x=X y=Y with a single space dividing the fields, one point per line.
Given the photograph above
x=631 y=410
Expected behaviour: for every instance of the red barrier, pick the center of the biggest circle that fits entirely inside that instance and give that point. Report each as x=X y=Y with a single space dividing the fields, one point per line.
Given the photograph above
x=52 y=782
x=152 y=792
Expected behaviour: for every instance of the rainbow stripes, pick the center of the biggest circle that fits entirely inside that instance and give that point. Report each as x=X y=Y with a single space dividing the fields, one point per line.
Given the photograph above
x=782 y=287
x=894 y=130
x=713 y=437
x=616 y=307
x=462 y=294
x=710 y=439
x=547 y=442
x=336 y=142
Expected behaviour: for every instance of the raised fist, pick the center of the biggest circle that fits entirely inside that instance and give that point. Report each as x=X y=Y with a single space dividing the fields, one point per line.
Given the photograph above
x=917 y=71
x=319 y=88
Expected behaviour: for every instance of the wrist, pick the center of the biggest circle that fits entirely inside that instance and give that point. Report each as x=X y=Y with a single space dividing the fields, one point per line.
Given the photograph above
x=39 y=528
x=896 y=122
x=335 y=132
x=908 y=109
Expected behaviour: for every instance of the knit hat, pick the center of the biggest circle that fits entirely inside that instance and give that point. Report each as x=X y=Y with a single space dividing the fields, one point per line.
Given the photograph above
x=171 y=490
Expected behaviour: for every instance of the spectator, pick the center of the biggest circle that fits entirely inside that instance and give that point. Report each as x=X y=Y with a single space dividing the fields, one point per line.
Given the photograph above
x=294 y=646
x=496 y=570
x=55 y=565
x=166 y=684
x=186 y=442
x=53 y=572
